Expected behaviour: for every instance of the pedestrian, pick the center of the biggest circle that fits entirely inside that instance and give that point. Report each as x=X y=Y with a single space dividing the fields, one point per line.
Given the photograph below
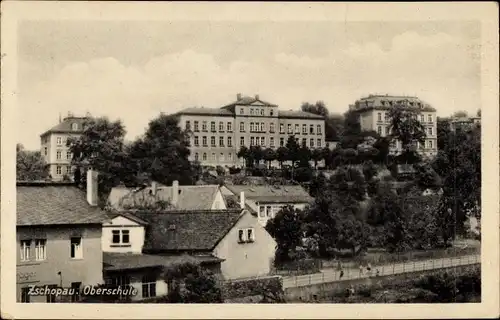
x=341 y=274
x=378 y=272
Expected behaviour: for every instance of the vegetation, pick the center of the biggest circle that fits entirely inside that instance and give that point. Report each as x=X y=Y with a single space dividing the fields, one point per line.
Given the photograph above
x=30 y=165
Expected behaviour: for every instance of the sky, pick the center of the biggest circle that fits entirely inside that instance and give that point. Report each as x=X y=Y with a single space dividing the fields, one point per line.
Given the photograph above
x=133 y=70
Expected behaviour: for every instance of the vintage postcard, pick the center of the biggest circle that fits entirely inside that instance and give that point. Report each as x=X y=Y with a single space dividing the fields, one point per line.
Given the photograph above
x=249 y=160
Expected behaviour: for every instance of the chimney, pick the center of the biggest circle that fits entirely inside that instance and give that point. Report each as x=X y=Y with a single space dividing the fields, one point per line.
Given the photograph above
x=256 y=97
x=92 y=195
x=154 y=188
x=175 y=193
x=242 y=200
x=238 y=96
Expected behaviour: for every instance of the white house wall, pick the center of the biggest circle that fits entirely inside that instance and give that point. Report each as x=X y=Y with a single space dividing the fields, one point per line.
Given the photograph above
x=136 y=232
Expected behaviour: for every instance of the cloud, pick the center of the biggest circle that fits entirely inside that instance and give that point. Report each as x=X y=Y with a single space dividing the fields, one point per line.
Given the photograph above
x=438 y=68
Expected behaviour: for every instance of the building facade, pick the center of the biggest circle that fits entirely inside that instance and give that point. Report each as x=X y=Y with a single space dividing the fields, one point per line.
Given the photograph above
x=54 y=149
x=218 y=134
x=464 y=123
x=58 y=241
x=373 y=114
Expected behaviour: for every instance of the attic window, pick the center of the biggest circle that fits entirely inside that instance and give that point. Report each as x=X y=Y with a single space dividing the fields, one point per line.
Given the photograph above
x=74 y=126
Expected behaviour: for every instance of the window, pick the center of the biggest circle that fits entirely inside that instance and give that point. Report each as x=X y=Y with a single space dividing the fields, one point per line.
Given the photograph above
x=221 y=157
x=204 y=156
x=221 y=126
x=250 y=234
x=251 y=111
x=262 y=141
x=45 y=150
x=429 y=118
x=196 y=129
x=121 y=236
x=229 y=156
x=76 y=294
x=25 y=297
x=304 y=129
x=242 y=111
x=229 y=127
x=271 y=127
x=221 y=141
x=252 y=141
x=58 y=154
x=319 y=143
x=68 y=155
x=148 y=286
x=196 y=156
x=51 y=298
x=282 y=142
x=229 y=141
x=318 y=129
x=386 y=117
x=290 y=128
x=252 y=129
x=212 y=126
x=304 y=142
x=311 y=142
x=74 y=126
x=271 y=142
x=40 y=249
x=429 y=144
x=282 y=128
x=261 y=112
x=262 y=127
x=242 y=141
x=213 y=157
x=430 y=131
x=271 y=112
x=422 y=118
x=311 y=129
x=269 y=211
x=387 y=130
x=196 y=141
x=76 y=248
x=379 y=116
x=59 y=141
x=242 y=127
x=379 y=130
x=241 y=236
x=204 y=126
x=297 y=128
x=122 y=281
x=188 y=125
x=204 y=141
x=25 y=250
x=58 y=170
x=212 y=141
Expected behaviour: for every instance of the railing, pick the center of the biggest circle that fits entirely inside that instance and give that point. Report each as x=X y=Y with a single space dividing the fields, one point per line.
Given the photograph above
x=334 y=275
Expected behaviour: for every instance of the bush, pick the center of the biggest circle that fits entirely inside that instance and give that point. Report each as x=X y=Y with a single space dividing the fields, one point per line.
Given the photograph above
x=234 y=170
x=220 y=171
x=302 y=266
x=270 y=288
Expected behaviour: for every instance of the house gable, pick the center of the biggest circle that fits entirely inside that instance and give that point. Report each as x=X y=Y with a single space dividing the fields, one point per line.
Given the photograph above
x=123 y=225
x=121 y=221
x=219 y=203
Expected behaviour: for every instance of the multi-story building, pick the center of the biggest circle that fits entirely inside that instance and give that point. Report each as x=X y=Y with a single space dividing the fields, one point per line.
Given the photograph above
x=58 y=239
x=218 y=134
x=373 y=114
x=464 y=123
x=54 y=149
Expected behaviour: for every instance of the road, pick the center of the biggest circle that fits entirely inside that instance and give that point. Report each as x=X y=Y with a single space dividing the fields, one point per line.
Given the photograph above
x=332 y=275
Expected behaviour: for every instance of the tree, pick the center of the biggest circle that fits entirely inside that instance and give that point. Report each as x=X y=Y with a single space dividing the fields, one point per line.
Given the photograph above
x=317 y=155
x=163 y=152
x=318 y=185
x=30 y=165
x=460 y=114
x=478 y=113
x=256 y=154
x=318 y=108
x=282 y=155
x=269 y=155
x=243 y=153
x=405 y=127
x=293 y=151
x=286 y=229
x=304 y=154
x=443 y=133
x=101 y=147
x=426 y=177
x=334 y=127
x=369 y=170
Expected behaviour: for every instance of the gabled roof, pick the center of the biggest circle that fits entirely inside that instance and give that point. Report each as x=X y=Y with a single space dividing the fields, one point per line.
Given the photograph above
x=298 y=115
x=40 y=203
x=273 y=194
x=65 y=126
x=206 y=112
x=246 y=101
x=200 y=197
x=114 y=214
x=187 y=230
x=386 y=102
x=130 y=261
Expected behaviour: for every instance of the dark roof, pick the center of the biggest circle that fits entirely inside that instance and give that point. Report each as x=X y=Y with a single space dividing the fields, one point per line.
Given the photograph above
x=199 y=197
x=272 y=194
x=246 y=100
x=298 y=115
x=114 y=214
x=383 y=102
x=65 y=126
x=126 y=261
x=40 y=203
x=206 y=112
x=188 y=230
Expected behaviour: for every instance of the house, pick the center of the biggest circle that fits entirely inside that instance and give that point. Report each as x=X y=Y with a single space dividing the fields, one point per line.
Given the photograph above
x=198 y=197
x=58 y=238
x=234 y=237
x=267 y=200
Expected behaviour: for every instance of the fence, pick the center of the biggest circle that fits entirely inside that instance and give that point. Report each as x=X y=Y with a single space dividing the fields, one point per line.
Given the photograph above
x=332 y=275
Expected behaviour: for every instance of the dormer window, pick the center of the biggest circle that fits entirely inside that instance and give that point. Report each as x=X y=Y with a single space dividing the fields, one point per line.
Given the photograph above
x=246 y=235
x=261 y=112
x=271 y=112
x=74 y=126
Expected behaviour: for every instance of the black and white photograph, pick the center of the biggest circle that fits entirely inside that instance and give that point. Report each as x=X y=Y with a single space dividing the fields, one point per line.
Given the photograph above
x=230 y=158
